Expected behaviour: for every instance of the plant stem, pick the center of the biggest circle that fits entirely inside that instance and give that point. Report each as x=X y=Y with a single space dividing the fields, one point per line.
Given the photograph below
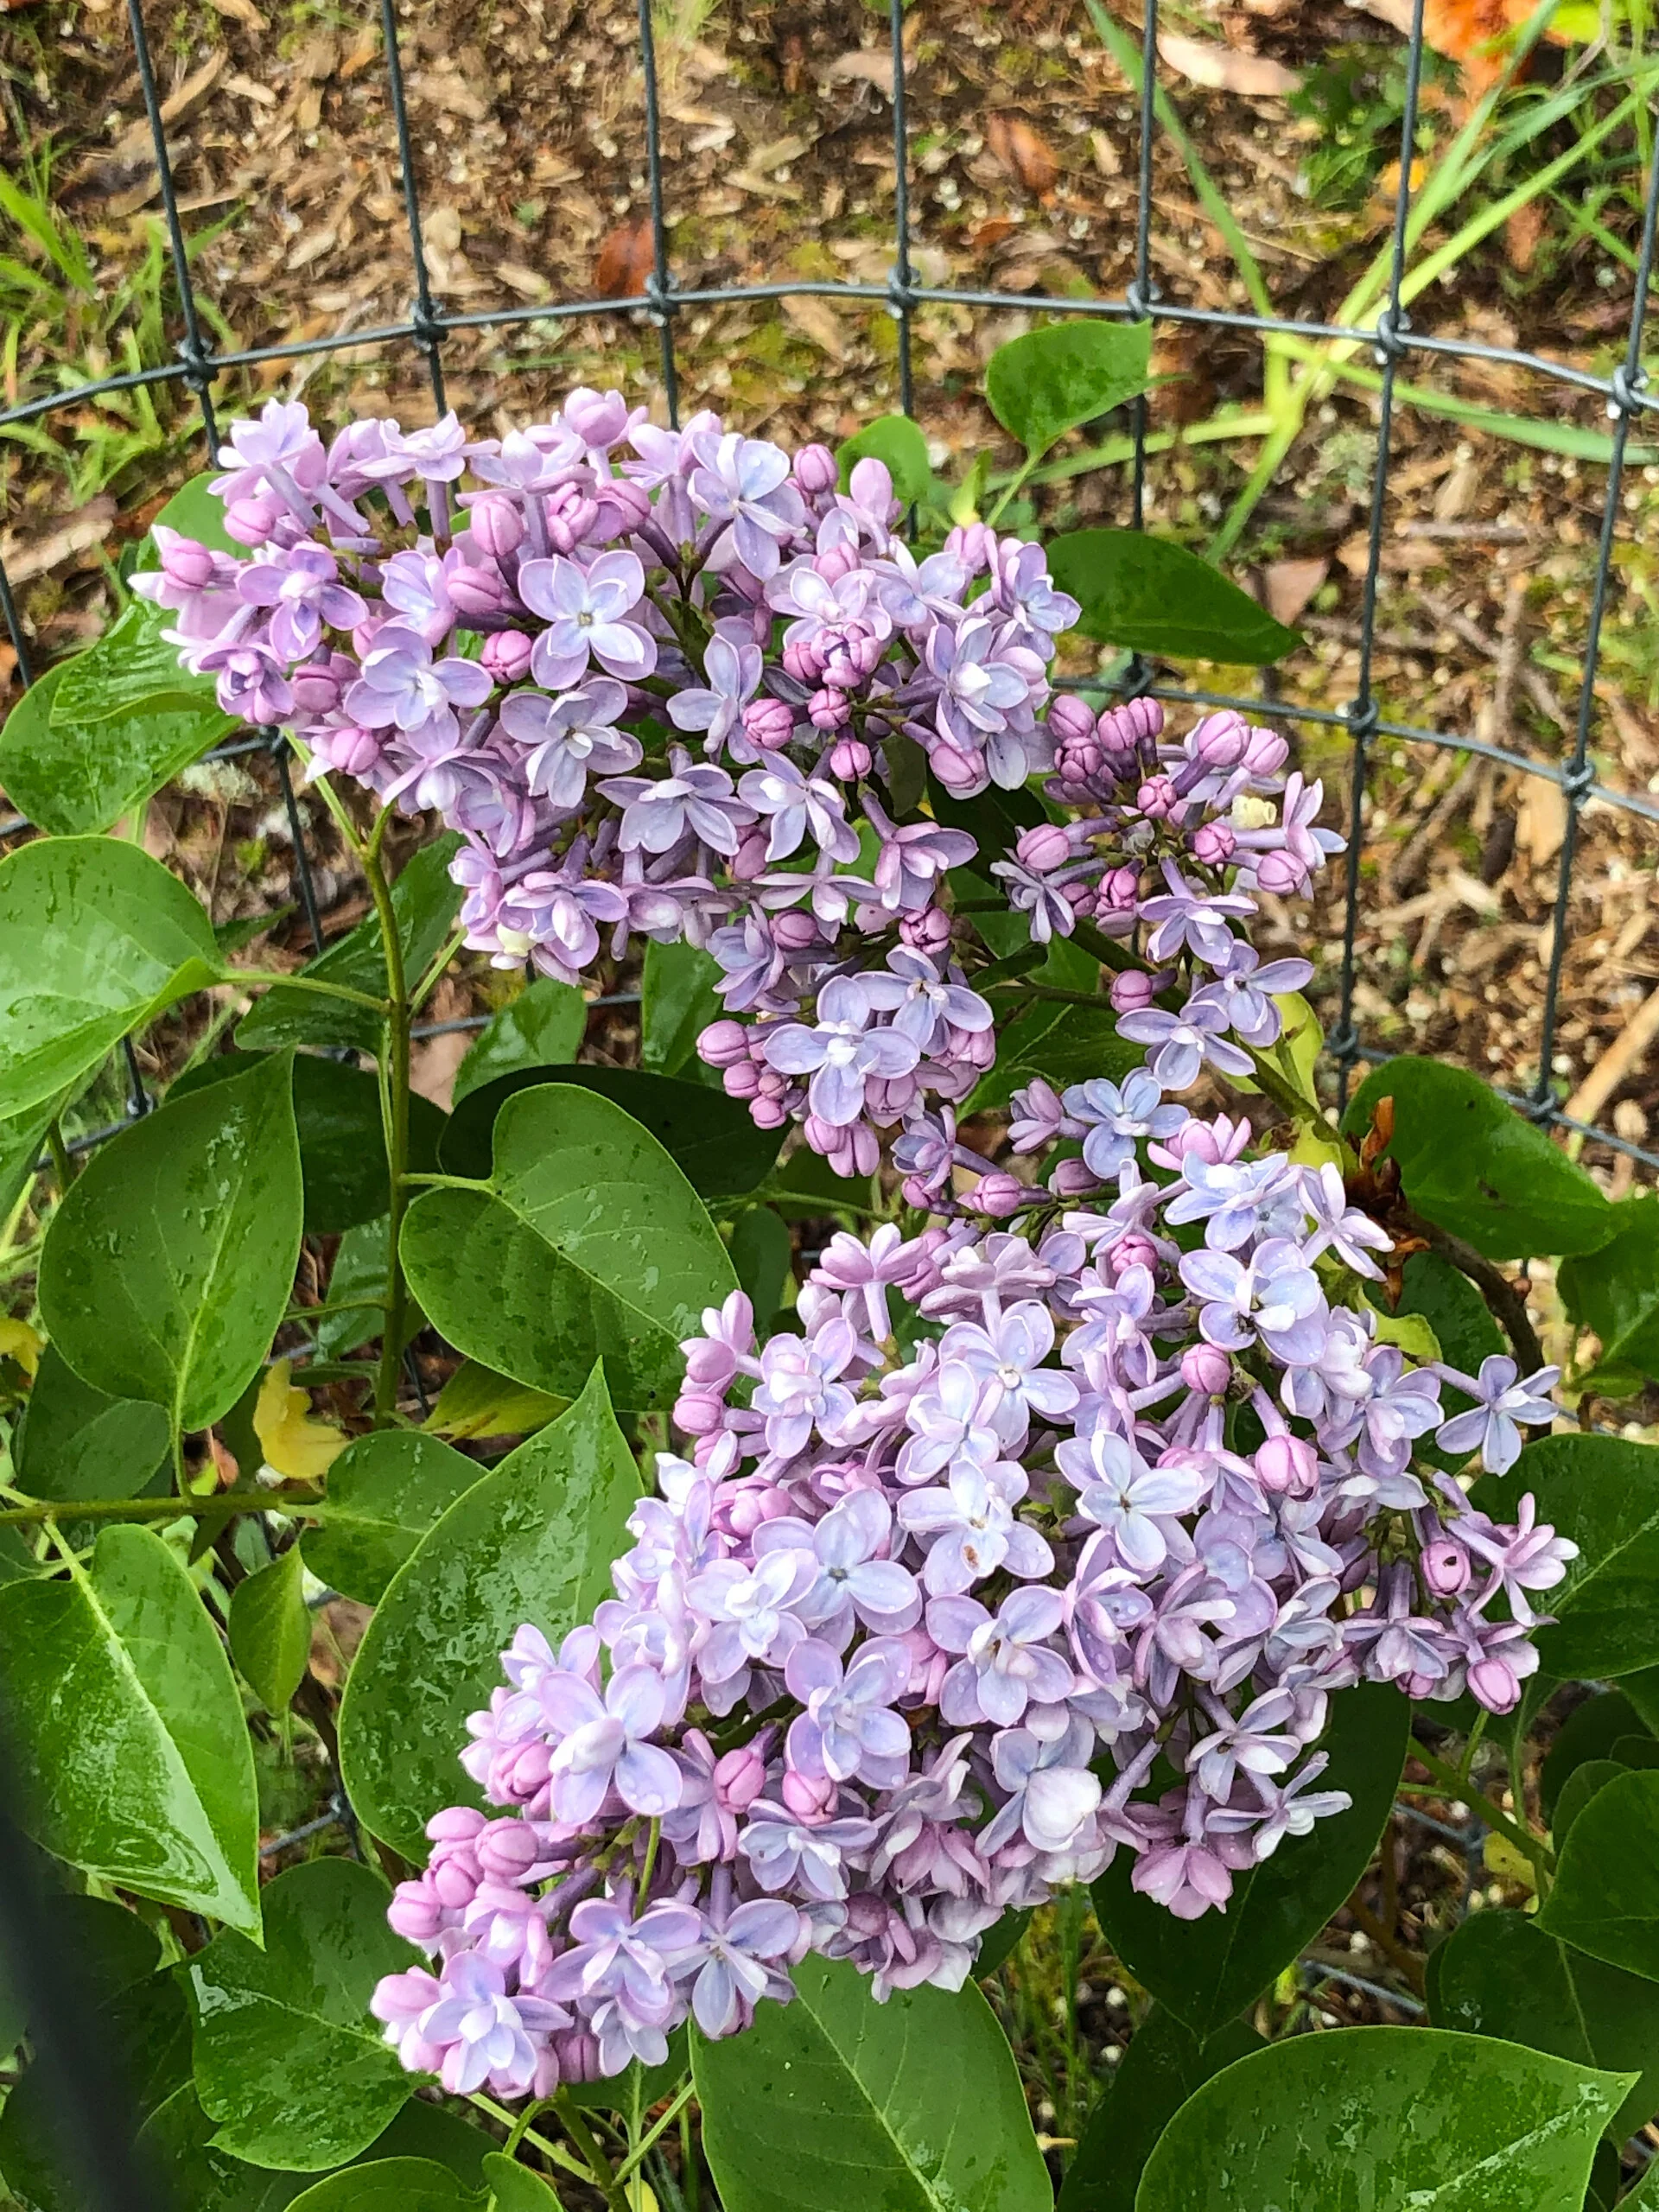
x=62 y=1165
x=635 y=2157
x=334 y=1305
x=394 y=1103
x=600 y=2170
x=1465 y=1764
x=428 y=983
x=1496 y=1818
x=1506 y=1301
x=654 y=1836
x=312 y=984
x=548 y=2149
x=50 y=1510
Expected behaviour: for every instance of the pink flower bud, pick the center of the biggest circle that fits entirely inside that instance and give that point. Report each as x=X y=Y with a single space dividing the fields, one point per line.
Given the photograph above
x=1125 y=728
x=749 y=860
x=415 y=1913
x=351 y=750
x=599 y=418
x=1131 y=991
x=1070 y=717
x=975 y=545
x=1157 y=798
x=1287 y=1467
x=1207 y=1369
x=1043 y=847
x=709 y=1365
x=768 y=723
x=1281 y=875
x=1134 y=1250
x=828 y=710
x=506 y=656
x=477 y=591
x=570 y=523
x=809 y=1797
x=698 y=1413
x=836 y=561
x=184 y=561
x=871 y=486
x=723 y=1044
x=1495 y=1683
x=455 y=1880
x=1072 y=1179
x=1446 y=1567
x=742 y=1080
x=815 y=470
x=927 y=931
x=507 y=1850
x=1214 y=843
x=1266 y=753
x=999 y=1195
x=962 y=773
x=796 y=931
x=623 y=505
x=250 y=522
x=496 y=522
x=740 y=1777
x=317 y=688
x=803 y=662
x=1221 y=740
x=849 y=756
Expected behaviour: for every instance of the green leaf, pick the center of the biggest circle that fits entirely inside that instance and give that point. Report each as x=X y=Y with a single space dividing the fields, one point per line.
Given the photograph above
x=77 y=1442
x=1052 y=380
x=834 y=2103
x=1062 y=1044
x=341 y=1135
x=1474 y=1166
x=103 y=1948
x=898 y=441
x=359 y=1271
x=1602 y=1491
x=1165 y=2065
x=179 y=2135
x=73 y=777
x=289 y=2059
x=1605 y=1899
x=22 y=1140
x=168 y=1267
x=761 y=1253
x=96 y=939
x=1150 y=595
x=1464 y=1329
x=542 y=1027
x=1586 y=1779
x=586 y=1239
x=514 y=2187
x=634 y=2091
x=1616 y=1292
x=132 y=666
x=476 y=1401
x=193 y=511
x=1501 y=1974
x=1206 y=1971
x=712 y=1138
x=678 y=1001
x=425 y=901
x=391 y=2185
x=1589 y=1732
x=533 y=1541
x=129 y=1731
x=1388 y=2120
x=385 y=1492
x=271 y=1630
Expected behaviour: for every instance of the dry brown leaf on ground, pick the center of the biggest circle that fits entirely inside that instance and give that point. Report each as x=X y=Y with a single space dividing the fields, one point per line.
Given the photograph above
x=445 y=90
x=1522 y=234
x=624 y=261
x=39 y=556
x=241 y=11
x=525 y=282
x=1541 y=820
x=868 y=67
x=821 y=323
x=1024 y=153
x=1288 y=586
x=1224 y=69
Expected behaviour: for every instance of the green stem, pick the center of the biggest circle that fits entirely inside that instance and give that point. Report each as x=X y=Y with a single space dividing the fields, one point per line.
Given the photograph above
x=653 y=1837
x=521 y=2126
x=49 y=1510
x=1467 y=1763
x=394 y=1098
x=62 y=1165
x=548 y=2149
x=600 y=2170
x=302 y=982
x=428 y=983
x=1273 y=1084
x=444 y=1182
x=667 y=2120
x=1495 y=1817
x=334 y=1305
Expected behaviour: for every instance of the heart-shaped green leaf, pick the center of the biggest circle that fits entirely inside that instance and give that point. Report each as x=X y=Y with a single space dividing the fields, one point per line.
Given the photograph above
x=1054 y=379
x=1150 y=595
x=1605 y=1896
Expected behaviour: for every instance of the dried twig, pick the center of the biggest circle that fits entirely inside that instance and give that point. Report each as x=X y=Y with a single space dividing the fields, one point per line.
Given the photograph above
x=1506 y=1299
x=1620 y=1059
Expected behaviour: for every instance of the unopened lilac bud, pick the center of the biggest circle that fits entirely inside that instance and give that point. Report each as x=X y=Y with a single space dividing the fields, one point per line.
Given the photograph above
x=809 y=1797
x=351 y=750
x=1447 y=1569
x=803 y=662
x=740 y=1777
x=572 y=522
x=416 y=1914
x=796 y=931
x=742 y=1080
x=507 y=1850
x=1120 y=888
x=1221 y=740
x=836 y=561
x=871 y=486
x=1495 y=1683
x=709 y=1364
x=749 y=861
x=927 y=930
x=849 y=759
x=496 y=522
x=477 y=591
x=455 y=1880
x=1288 y=1467
x=1135 y=1250
x=576 y=2050
x=1266 y=753
x=506 y=656
x=815 y=470
x=699 y=1413
x=828 y=710
x=1072 y=1179
x=599 y=418
x=1281 y=875
x=1126 y=727
x=1157 y=798
x=768 y=723
x=315 y=687
x=184 y=562
x=1214 y=843
x=723 y=1044
x=1043 y=847
x=1207 y=1369
x=1131 y=991
x=974 y=546
x=1070 y=717
x=999 y=1195
x=623 y=505
x=250 y=522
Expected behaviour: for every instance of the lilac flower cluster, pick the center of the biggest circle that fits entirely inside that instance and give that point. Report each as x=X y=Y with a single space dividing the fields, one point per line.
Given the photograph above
x=1019 y=1554
x=664 y=683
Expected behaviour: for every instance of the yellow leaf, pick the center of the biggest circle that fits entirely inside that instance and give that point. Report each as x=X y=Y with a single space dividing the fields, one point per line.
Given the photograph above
x=19 y=1342
x=1508 y=1864
x=295 y=1445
